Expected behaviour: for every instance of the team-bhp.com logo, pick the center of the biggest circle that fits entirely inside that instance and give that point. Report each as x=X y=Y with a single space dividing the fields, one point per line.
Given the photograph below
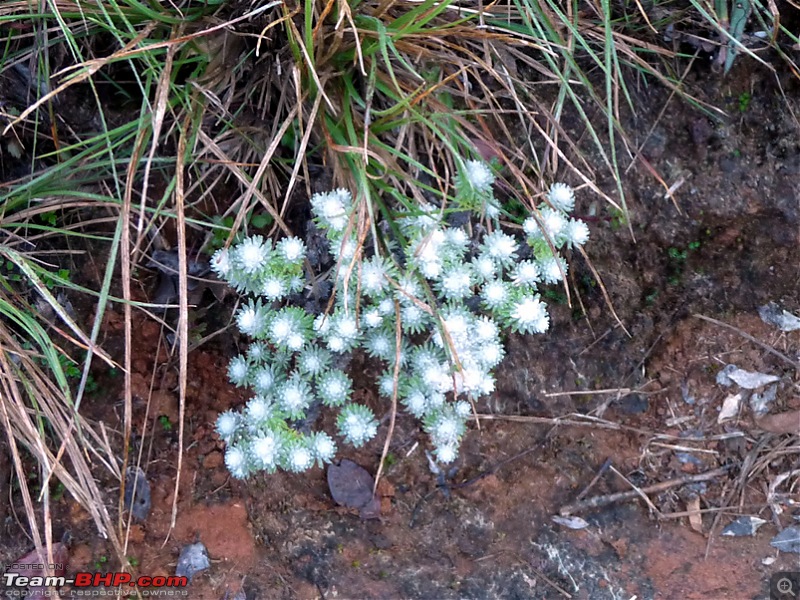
x=87 y=581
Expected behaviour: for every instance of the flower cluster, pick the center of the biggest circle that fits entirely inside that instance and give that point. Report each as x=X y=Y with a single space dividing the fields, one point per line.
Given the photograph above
x=451 y=292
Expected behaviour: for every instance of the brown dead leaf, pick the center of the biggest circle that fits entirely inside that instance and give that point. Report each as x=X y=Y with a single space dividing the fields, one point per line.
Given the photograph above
x=695 y=517
x=785 y=422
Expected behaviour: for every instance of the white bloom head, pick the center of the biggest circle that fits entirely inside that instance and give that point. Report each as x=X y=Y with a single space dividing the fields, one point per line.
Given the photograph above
x=236 y=461
x=227 y=424
x=265 y=449
x=221 y=262
x=577 y=232
x=292 y=249
x=561 y=197
x=554 y=222
x=552 y=269
x=478 y=175
x=501 y=247
x=529 y=315
x=526 y=273
x=299 y=456
x=237 y=371
x=323 y=447
x=251 y=254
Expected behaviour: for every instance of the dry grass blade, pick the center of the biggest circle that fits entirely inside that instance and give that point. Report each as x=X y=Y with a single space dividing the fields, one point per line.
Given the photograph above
x=24 y=416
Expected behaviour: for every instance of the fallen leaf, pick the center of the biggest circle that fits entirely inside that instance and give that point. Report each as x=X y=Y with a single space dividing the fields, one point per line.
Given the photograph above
x=730 y=408
x=785 y=422
x=695 y=517
x=749 y=380
x=570 y=522
x=351 y=486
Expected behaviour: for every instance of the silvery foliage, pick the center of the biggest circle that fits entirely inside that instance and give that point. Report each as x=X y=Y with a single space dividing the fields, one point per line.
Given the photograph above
x=453 y=290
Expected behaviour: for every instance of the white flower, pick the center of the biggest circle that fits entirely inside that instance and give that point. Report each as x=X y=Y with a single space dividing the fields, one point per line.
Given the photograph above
x=457 y=325
x=313 y=360
x=526 y=273
x=386 y=384
x=346 y=327
x=373 y=277
x=428 y=248
x=357 y=424
x=561 y=197
x=299 y=457
x=478 y=175
x=408 y=288
x=334 y=387
x=437 y=377
x=250 y=320
x=485 y=267
x=257 y=352
x=259 y=409
x=265 y=450
x=447 y=430
x=553 y=269
x=332 y=208
x=554 y=222
x=386 y=306
x=227 y=424
x=491 y=354
x=462 y=409
x=273 y=288
x=457 y=282
x=495 y=294
x=446 y=454
x=221 y=262
x=295 y=396
x=457 y=239
x=263 y=380
x=380 y=344
x=336 y=343
x=236 y=461
x=345 y=251
x=501 y=247
x=486 y=329
x=413 y=318
x=252 y=254
x=282 y=327
x=292 y=248
x=237 y=370
x=416 y=403
x=530 y=315
x=295 y=341
x=531 y=227
x=373 y=318
x=323 y=447
x=577 y=232
x=431 y=269
x=322 y=324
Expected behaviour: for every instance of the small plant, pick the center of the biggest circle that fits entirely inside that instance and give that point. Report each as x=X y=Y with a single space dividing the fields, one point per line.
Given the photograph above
x=165 y=423
x=430 y=304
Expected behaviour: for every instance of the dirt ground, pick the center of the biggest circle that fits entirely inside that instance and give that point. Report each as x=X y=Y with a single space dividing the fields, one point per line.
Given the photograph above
x=642 y=399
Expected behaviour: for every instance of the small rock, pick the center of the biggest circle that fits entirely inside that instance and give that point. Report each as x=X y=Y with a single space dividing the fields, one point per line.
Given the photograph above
x=743 y=526
x=137 y=493
x=193 y=559
x=787 y=540
x=633 y=404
